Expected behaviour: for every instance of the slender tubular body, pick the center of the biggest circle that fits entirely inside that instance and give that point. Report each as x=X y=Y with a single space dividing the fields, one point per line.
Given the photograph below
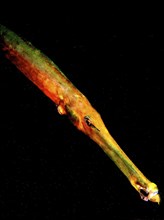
x=70 y=101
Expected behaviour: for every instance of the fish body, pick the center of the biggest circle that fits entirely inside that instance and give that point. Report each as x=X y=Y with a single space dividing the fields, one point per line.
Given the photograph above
x=47 y=76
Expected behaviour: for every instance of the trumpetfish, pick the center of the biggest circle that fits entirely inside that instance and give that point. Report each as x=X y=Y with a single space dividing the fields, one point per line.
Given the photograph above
x=47 y=76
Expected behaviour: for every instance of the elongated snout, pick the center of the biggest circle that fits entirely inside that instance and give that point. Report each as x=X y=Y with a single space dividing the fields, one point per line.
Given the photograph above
x=93 y=126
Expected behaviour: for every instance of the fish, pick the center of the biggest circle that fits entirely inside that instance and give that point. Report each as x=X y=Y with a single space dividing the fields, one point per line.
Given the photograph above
x=48 y=77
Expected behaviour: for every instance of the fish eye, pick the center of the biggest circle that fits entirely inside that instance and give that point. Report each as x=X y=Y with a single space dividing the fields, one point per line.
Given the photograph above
x=89 y=122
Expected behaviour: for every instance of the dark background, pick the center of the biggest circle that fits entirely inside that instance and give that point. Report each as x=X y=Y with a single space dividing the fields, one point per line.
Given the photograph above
x=114 y=55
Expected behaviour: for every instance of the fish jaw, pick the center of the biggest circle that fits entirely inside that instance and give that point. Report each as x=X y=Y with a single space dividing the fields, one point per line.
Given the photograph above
x=147 y=191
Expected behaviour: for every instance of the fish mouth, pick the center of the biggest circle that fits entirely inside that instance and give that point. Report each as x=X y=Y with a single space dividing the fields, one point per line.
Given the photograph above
x=150 y=193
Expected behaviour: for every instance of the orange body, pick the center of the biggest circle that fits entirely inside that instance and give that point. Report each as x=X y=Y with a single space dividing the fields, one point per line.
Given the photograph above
x=70 y=101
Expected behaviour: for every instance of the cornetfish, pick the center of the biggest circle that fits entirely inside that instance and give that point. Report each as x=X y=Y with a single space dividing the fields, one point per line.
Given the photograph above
x=47 y=76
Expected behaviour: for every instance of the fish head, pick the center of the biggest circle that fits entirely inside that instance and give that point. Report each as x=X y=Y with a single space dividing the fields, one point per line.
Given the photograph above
x=85 y=117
